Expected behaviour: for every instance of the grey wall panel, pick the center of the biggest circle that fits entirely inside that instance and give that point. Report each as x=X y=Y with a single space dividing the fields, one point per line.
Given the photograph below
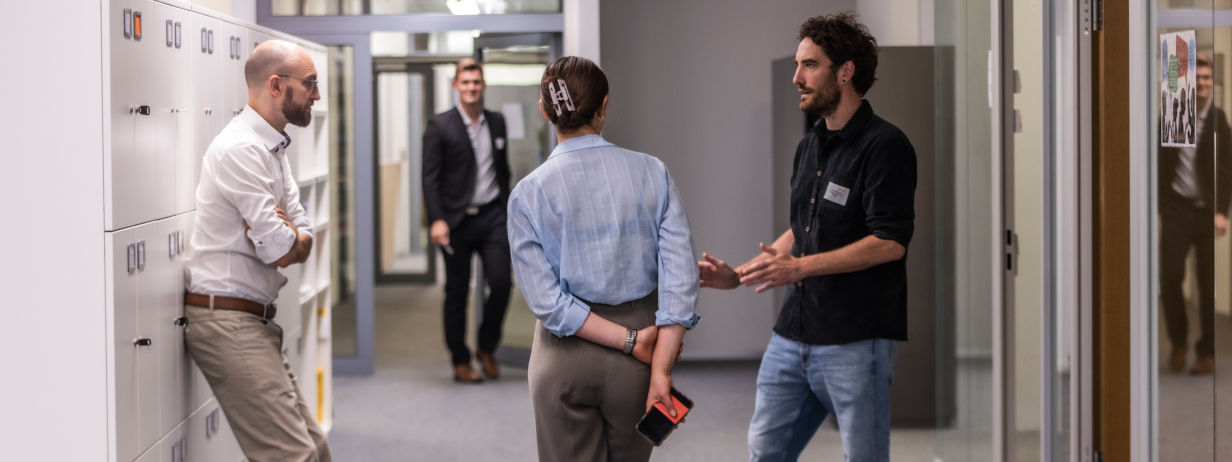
x=690 y=84
x=905 y=95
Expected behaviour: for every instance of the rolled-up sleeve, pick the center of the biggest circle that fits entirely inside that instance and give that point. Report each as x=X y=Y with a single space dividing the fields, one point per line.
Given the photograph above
x=561 y=313
x=248 y=188
x=889 y=190
x=292 y=207
x=678 y=280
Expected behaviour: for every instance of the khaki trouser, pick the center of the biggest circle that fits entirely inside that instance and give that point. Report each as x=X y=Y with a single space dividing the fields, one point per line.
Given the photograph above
x=241 y=357
x=588 y=398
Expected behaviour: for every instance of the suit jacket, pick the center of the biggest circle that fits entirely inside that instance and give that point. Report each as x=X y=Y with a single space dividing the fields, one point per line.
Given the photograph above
x=449 y=167
x=1214 y=169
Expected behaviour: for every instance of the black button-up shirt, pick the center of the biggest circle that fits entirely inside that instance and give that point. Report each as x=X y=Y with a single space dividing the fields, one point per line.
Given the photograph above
x=846 y=185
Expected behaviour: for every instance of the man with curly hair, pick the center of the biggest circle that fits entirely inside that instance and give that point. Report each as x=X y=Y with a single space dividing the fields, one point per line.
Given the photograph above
x=843 y=260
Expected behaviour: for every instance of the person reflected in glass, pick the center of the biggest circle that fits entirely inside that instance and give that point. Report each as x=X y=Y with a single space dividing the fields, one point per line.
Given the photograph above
x=1194 y=194
x=603 y=253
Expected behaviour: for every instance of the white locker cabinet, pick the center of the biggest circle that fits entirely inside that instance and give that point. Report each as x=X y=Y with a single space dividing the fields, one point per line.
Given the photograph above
x=123 y=168
x=235 y=88
x=209 y=437
x=173 y=80
x=206 y=71
x=123 y=259
x=176 y=400
x=140 y=277
x=165 y=73
x=176 y=134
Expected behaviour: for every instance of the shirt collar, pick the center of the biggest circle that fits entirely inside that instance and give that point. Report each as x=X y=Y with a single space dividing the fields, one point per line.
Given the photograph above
x=853 y=126
x=466 y=120
x=272 y=139
x=580 y=143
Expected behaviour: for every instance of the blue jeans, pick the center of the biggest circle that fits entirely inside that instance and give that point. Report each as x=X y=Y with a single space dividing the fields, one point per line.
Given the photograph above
x=799 y=384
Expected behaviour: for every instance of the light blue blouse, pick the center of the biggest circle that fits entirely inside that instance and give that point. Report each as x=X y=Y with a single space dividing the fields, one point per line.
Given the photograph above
x=605 y=224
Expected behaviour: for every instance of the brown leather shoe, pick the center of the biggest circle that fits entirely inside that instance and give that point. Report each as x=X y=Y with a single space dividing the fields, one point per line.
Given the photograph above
x=464 y=373
x=1203 y=365
x=488 y=364
x=1176 y=362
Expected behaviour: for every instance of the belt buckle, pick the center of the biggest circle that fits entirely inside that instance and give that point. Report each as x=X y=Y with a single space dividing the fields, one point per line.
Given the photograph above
x=265 y=310
x=472 y=210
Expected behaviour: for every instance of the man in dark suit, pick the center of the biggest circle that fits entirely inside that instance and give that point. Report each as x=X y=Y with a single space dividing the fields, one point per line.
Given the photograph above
x=466 y=187
x=1194 y=195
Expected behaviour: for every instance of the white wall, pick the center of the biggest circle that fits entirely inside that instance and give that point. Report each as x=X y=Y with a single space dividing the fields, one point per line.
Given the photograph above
x=690 y=84
x=53 y=393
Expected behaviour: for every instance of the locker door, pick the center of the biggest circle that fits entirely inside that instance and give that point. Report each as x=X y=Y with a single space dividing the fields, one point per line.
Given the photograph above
x=122 y=264
x=179 y=54
x=151 y=108
x=149 y=341
x=196 y=389
x=122 y=165
x=235 y=88
x=207 y=91
x=159 y=67
x=176 y=402
x=209 y=436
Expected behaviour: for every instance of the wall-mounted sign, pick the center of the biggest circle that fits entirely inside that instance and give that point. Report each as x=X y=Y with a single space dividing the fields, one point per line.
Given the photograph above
x=1178 y=89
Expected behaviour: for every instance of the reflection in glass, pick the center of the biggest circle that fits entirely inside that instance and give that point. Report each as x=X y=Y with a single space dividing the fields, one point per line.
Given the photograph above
x=342 y=194
x=1191 y=184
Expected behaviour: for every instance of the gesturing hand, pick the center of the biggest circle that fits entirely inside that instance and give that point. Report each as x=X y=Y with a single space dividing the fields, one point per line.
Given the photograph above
x=716 y=273
x=777 y=270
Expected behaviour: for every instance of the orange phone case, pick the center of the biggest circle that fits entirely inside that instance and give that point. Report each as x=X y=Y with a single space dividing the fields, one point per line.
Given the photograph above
x=681 y=410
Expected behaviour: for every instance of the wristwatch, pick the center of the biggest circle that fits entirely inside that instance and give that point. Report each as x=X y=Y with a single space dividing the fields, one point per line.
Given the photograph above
x=630 y=340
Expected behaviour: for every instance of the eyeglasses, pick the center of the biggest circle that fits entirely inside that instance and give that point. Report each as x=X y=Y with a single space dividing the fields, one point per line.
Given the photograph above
x=312 y=84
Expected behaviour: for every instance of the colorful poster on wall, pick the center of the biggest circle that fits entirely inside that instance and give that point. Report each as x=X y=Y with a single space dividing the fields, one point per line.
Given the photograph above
x=1178 y=89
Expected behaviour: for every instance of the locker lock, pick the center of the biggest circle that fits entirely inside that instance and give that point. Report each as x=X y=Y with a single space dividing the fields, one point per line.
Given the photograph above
x=143 y=110
x=143 y=342
x=181 y=321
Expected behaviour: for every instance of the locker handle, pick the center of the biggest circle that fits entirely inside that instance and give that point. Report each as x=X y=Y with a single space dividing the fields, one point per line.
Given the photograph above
x=171 y=250
x=141 y=255
x=177 y=111
x=132 y=258
x=143 y=342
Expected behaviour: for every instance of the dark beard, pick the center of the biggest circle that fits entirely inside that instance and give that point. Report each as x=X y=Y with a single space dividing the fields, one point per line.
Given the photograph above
x=299 y=116
x=824 y=102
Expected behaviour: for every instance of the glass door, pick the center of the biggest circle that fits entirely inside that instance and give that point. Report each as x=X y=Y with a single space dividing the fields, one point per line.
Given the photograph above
x=1191 y=323
x=513 y=67
x=403 y=105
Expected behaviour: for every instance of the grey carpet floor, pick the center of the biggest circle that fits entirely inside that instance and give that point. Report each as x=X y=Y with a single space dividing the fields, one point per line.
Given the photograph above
x=411 y=410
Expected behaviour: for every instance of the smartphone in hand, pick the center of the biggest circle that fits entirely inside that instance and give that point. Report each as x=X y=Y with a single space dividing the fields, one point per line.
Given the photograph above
x=657 y=423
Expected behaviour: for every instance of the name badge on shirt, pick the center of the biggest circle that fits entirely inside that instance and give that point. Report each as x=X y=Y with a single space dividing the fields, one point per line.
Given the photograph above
x=500 y=142
x=836 y=194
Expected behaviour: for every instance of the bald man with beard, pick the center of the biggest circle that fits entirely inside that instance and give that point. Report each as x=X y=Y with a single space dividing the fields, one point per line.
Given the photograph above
x=250 y=223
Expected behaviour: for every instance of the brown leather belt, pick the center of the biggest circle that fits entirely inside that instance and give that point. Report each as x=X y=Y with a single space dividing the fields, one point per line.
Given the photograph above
x=233 y=304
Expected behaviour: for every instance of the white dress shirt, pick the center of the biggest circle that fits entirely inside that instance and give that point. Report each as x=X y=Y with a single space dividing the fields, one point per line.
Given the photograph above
x=244 y=176
x=481 y=143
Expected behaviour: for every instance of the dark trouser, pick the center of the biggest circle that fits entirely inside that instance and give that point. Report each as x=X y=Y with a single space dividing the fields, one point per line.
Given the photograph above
x=588 y=398
x=1185 y=225
x=483 y=233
